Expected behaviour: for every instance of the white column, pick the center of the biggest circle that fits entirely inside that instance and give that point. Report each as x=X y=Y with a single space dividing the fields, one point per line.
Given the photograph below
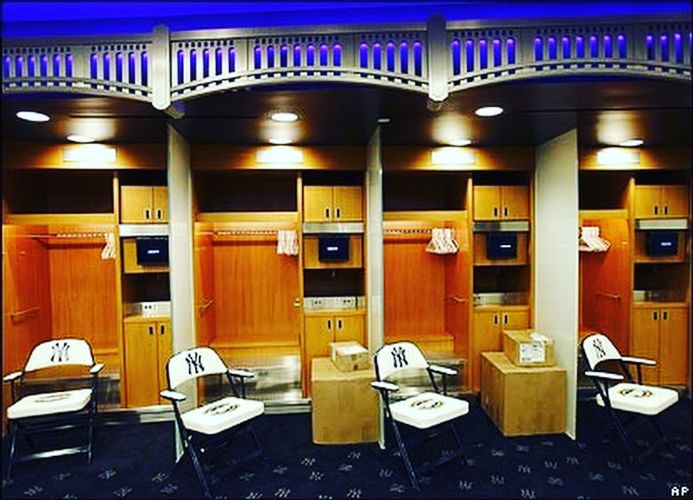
x=556 y=277
x=180 y=249
x=438 y=57
x=374 y=260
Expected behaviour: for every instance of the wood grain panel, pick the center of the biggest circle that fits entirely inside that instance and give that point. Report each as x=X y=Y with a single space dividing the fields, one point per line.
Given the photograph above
x=222 y=156
x=26 y=298
x=606 y=280
x=254 y=290
x=414 y=288
x=82 y=285
x=458 y=286
x=674 y=351
x=203 y=262
x=419 y=158
x=32 y=154
x=645 y=340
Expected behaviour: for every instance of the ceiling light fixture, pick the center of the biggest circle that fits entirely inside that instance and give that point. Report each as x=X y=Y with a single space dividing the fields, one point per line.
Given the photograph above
x=460 y=142
x=383 y=120
x=632 y=143
x=32 y=116
x=80 y=138
x=279 y=140
x=486 y=111
x=284 y=116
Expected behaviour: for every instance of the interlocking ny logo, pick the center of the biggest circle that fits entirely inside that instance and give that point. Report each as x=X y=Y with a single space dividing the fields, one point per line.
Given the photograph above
x=60 y=354
x=399 y=358
x=597 y=344
x=194 y=360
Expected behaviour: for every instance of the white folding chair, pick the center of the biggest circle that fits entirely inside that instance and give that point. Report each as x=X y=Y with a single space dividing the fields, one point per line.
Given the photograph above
x=51 y=412
x=211 y=427
x=427 y=410
x=629 y=403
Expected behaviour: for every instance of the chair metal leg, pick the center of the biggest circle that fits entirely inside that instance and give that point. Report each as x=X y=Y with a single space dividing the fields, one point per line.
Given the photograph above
x=405 y=456
x=190 y=449
x=13 y=442
x=662 y=437
x=459 y=443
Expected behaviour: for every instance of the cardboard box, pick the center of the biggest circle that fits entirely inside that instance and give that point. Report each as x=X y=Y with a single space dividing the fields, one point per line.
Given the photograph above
x=349 y=356
x=522 y=400
x=345 y=409
x=524 y=350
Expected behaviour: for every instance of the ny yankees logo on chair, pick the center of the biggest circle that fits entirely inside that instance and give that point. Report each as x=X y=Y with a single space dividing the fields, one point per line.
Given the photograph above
x=60 y=352
x=399 y=357
x=194 y=360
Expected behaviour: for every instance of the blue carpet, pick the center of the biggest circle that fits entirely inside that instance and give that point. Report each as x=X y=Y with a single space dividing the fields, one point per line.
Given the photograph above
x=136 y=461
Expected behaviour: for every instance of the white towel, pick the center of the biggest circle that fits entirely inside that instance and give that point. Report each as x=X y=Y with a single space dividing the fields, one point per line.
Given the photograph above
x=442 y=242
x=109 y=249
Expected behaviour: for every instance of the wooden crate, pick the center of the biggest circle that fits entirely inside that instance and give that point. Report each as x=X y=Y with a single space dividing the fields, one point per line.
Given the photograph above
x=345 y=407
x=522 y=400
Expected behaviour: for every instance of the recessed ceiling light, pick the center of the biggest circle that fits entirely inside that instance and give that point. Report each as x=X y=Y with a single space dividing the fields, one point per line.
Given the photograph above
x=632 y=143
x=279 y=140
x=489 y=111
x=460 y=142
x=80 y=138
x=284 y=116
x=383 y=120
x=32 y=116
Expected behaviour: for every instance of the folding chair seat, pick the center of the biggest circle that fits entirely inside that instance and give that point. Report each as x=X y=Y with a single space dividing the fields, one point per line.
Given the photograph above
x=629 y=403
x=211 y=427
x=52 y=412
x=432 y=412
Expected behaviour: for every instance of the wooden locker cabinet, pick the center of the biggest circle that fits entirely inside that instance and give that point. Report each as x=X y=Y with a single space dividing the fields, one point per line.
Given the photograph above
x=501 y=203
x=323 y=327
x=660 y=332
x=487 y=336
x=332 y=204
x=143 y=204
x=148 y=346
x=667 y=201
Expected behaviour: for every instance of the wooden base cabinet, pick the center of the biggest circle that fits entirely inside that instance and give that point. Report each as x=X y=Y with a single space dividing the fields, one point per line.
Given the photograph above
x=660 y=332
x=322 y=328
x=148 y=346
x=487 y=334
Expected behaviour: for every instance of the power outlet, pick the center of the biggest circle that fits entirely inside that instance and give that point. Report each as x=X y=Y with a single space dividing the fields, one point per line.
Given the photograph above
x=148 y=308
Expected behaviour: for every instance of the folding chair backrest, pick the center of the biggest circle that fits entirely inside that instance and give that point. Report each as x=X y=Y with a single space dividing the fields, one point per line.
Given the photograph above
x=598 y=348
x=59 y=352
x=391 y=358
x=193 y=363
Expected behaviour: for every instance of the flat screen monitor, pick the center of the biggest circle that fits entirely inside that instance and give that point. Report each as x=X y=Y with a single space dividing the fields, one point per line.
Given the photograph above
x=333 y=248
x=662 y=243
x=152 y=251
x=501 y=245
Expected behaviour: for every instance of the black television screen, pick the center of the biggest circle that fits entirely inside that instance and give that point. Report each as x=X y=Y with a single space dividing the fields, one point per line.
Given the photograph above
x=662 y=243
x=152 y=251
x=501 y=245
x=333 y=248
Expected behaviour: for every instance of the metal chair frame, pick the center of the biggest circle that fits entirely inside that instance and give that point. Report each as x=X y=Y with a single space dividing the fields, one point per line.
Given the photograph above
x=385 y=388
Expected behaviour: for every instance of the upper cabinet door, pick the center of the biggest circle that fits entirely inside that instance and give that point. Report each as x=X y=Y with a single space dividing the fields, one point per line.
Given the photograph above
x=317 y=204
x=647 y=201
x=160 y=204
x=487 y=203
x=674 y=201
x=515 y=202
x=348 y=204
x=135 y=204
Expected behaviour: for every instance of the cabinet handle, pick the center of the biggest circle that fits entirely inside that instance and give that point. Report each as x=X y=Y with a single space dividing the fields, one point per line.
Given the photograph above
x=339 y=212
x=327 y=212
x=654 y=315
x=162 y=329
x=158 y=213
x=339 y=324
x=495 y=319
x=666 y=209
x=505 y=211
x=146 y=213
x=505 y=319
x=665 y=315
x=655 y=209
x=151 y=330
x=329 y=324
x=495 y=211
